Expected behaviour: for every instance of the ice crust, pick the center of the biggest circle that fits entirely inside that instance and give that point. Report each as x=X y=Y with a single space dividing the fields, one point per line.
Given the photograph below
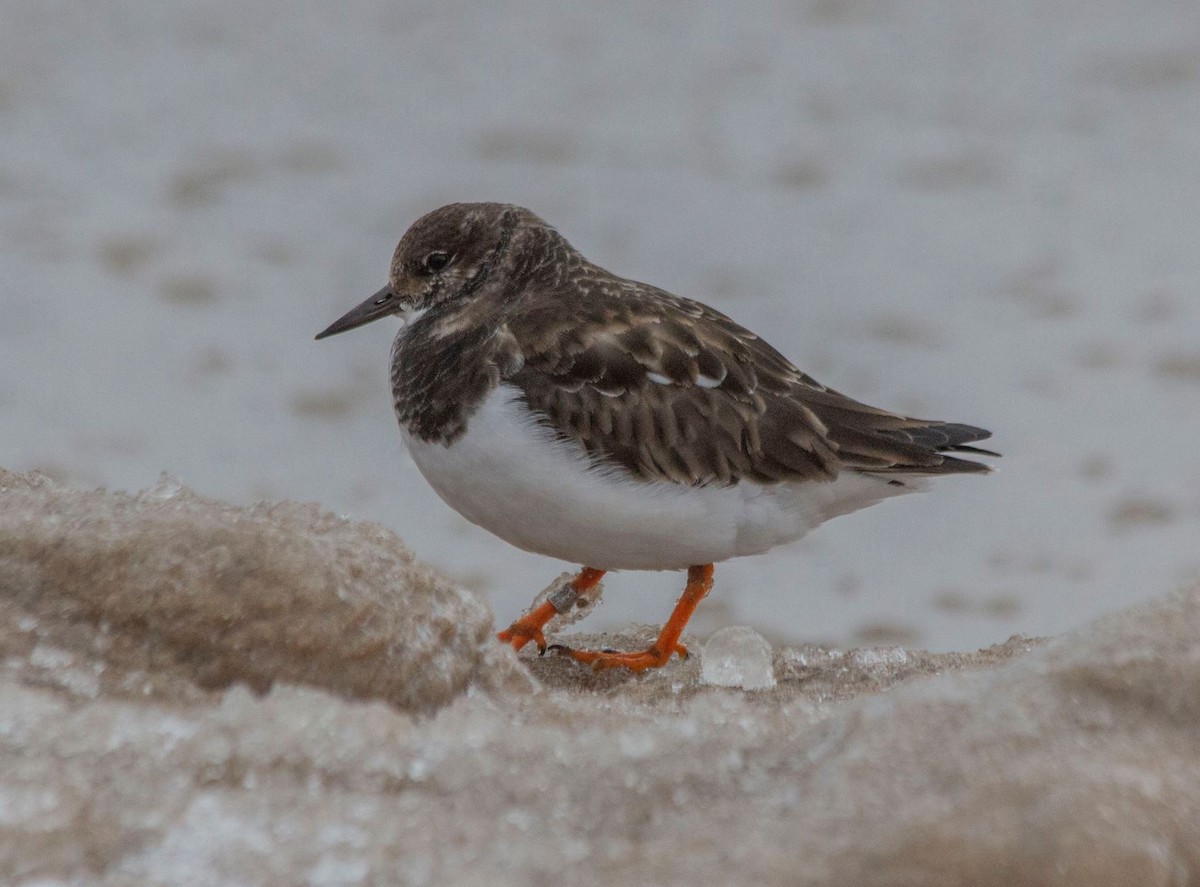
x=168 y=585
x=581 y=609
x=192 y=693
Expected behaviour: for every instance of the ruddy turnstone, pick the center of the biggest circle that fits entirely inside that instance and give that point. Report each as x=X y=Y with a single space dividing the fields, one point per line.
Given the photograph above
x=605 y=422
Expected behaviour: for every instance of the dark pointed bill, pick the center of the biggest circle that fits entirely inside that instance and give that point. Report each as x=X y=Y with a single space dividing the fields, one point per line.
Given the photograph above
x=379 y=305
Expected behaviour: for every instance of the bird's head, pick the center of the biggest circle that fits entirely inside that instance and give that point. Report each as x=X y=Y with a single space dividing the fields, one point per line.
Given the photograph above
x=446 y=255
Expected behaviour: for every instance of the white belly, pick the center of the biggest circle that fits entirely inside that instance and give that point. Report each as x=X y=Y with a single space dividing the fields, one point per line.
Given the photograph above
x=511 y=476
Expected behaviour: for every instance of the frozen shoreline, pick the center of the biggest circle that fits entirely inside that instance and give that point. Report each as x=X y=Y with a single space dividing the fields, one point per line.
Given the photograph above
x=979 y=212
x=132 y=747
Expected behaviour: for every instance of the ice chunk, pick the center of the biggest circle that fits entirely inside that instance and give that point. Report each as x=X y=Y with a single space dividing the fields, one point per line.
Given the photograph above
x=216 y=594
x=737 y=656
x=167 y=488
x=877 y=656
x=583 y=605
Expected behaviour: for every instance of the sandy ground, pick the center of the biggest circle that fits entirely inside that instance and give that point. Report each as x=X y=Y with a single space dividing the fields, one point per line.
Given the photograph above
x=974 y=211
x=194 y=693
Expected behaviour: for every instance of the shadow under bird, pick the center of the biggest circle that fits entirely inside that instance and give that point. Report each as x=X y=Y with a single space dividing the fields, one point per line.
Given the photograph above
x=605 y=422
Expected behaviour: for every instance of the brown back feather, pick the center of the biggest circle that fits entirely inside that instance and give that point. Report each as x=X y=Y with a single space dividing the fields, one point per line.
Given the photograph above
x=673 y=390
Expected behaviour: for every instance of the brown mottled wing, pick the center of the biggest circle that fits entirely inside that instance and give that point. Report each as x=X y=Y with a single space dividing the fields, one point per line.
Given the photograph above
x=673 y=390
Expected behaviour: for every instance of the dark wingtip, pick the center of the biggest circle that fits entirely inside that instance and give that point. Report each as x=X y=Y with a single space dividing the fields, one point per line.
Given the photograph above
x=978 y=451
x=948 y=437
x=959 y=438
x=951 y=465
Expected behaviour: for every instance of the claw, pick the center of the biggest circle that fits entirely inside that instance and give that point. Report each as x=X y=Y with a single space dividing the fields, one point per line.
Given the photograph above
x=519 y=635
x=527 y=628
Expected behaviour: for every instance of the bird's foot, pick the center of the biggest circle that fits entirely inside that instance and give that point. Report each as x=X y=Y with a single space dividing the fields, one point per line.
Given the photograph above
x=637 y=661
x=561 y=599
x=528 y=628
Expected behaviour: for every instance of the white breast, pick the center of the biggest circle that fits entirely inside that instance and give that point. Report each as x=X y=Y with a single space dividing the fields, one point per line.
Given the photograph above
x=511 y=476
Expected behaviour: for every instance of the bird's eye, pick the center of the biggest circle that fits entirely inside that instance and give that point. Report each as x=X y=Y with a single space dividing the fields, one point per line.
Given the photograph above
x=435 y=262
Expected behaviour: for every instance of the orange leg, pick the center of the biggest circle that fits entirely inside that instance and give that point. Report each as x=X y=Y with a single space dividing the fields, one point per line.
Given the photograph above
x=699 y=581
x=529 y=627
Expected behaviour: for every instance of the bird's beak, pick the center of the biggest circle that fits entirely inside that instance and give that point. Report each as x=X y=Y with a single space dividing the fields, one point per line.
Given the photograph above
x=379 y=305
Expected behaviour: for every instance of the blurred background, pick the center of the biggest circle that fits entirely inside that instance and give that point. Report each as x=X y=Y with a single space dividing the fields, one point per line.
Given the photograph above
x=982 y=212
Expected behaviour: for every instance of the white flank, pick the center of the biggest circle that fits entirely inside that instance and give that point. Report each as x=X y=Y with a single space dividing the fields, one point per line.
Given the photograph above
x=511 y=476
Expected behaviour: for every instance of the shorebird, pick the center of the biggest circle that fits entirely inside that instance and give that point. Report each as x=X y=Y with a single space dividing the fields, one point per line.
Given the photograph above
x=611 y=424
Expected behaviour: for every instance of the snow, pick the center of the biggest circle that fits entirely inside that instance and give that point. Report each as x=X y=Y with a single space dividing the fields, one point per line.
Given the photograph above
x=881 y=656
x=737 y=656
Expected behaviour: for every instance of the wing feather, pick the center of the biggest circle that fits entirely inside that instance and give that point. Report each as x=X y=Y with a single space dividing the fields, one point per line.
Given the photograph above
x=672 y=390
